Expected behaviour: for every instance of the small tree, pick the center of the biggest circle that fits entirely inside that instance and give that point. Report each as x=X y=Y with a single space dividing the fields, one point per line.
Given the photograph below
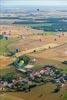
x=26 y=59
x=8 y=77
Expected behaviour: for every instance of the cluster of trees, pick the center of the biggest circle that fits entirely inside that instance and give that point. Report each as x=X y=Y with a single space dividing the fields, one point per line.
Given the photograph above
x=23 y=60
x=8 y=77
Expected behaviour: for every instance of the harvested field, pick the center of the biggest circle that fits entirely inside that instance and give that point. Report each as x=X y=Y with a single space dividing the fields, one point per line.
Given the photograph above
x=38 y=93
x=17 y=30
x=29 y=41
x=5 y=61
x=34 y=41
x=57 y=53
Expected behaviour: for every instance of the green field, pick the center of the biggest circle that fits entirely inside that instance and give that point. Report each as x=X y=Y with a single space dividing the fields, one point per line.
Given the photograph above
x=4 y=45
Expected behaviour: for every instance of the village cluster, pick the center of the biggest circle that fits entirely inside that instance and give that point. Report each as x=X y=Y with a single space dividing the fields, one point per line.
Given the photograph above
x=33 y=78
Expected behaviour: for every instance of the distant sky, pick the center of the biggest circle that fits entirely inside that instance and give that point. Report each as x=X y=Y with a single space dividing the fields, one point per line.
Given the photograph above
x=17 y=3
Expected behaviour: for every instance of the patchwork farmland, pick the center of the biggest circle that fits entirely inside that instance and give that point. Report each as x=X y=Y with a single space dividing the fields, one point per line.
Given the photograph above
x=42 y=49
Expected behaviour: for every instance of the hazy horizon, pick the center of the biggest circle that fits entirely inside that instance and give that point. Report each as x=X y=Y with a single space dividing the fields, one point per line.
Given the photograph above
x=30 y=8
x=19 y=3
